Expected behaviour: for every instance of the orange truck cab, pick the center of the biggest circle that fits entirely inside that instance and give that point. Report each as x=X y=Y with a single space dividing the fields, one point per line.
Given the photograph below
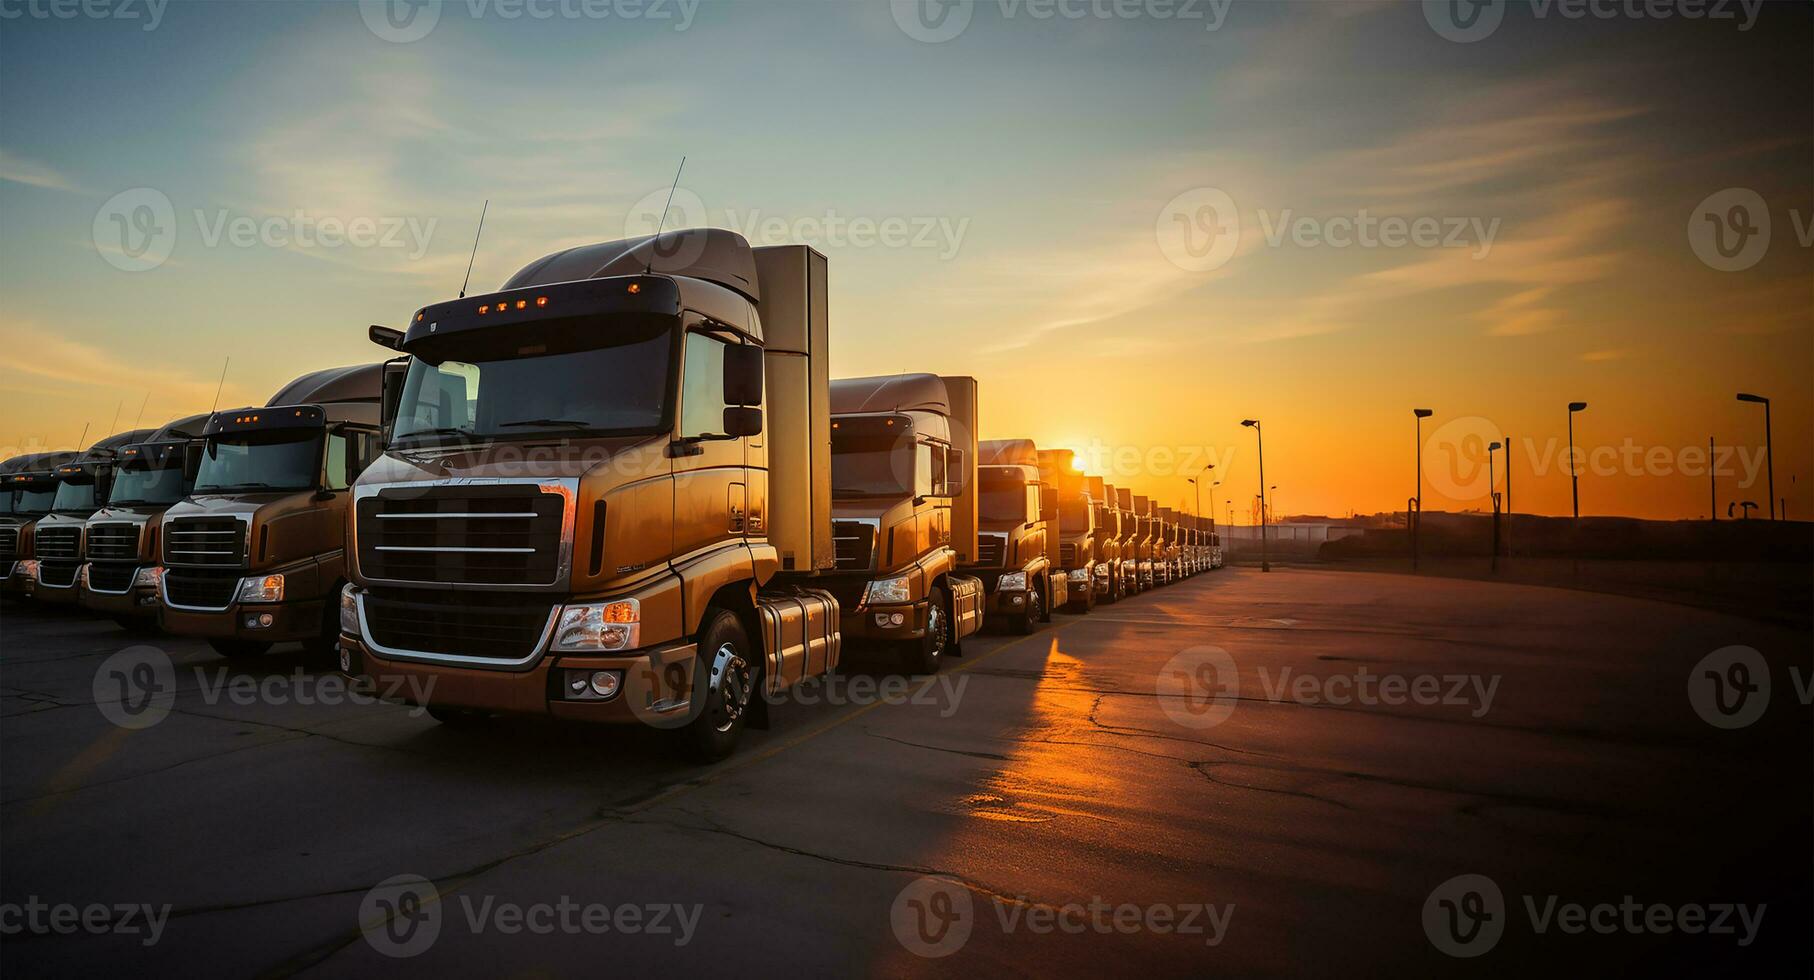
x=1107 y=541
x=28 y=487
x=256 y=554
x=1076 y=527
x=904 y=513
x=120 y=579
x=60 y=538
x=1011 y=549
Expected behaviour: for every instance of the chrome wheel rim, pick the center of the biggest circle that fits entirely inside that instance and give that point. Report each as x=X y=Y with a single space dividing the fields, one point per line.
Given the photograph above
x=731 y=682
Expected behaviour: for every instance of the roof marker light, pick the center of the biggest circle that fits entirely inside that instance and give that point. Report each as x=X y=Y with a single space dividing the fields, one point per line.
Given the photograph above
x=634 y=288
x=541 y=301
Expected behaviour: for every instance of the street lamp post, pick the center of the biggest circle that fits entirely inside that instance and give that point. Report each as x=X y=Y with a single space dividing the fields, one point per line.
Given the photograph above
x=1574 y=468
x=1492 y=492
x=1413 y=520
x=1260 y=437
x=1769 y=453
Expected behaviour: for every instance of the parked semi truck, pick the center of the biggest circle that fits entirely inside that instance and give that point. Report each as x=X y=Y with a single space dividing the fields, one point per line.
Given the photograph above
x=256 y=554
x=1105 y=536
x=29 y=489
x=607 y=494
x=1169 y=534
x=903 y=461
x=1011 y=558
x=1076 y=528
x=60 y=538
x=1147 y=544
x=1130 y=541
x=120 y=576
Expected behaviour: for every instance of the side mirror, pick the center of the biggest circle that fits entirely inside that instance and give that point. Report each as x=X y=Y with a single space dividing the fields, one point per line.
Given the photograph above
x=956 y=475
x=1048 y=503
x=740 y=422
x=389 y=337
x=743 y=376
x=394 y=373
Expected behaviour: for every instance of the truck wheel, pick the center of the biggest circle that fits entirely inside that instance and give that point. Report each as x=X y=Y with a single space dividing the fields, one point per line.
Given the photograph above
x=729 y=682
x=458 y=717
x=238 y=649
x=1109 y=598
x=1028 y=620
x=1045 y=603
x=925 y=656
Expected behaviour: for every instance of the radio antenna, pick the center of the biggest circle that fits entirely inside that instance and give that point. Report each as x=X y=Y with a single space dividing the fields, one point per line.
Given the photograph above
x=82 y=440
x=116 y=416
x=663 y=223
x=475 y=248
x=222 y=383
x=147 y=401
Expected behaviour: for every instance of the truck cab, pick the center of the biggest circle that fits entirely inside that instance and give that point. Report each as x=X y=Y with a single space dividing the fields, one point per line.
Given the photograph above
x=1172 y=533
x=1130 y=541
x=1106 y=540
x=60 y=538
x=1076 y=527
x=1147 y=545
x=900 y=469
x=256 y=554
x=1011 y=555
x=606 y=494
x=28 y=486
x=120 y=577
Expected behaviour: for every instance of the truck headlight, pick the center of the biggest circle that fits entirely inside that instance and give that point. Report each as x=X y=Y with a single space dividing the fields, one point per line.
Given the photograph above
x=261 y=588
x=1079 y=574
x=349 y=610
x=615 y=625
x=1102 y=571
x=898 y=589
x=1012 y=582
x=28 y=569
x=148 y=577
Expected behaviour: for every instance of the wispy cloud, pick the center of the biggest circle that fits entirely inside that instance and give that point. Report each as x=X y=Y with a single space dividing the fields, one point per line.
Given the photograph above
x=19 y=170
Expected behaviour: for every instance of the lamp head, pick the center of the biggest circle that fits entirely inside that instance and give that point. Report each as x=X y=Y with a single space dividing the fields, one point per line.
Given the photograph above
x=1422 y=413
x=1576 y=406
x=1250 y=422
x=1759 y=399
x=1492 y=447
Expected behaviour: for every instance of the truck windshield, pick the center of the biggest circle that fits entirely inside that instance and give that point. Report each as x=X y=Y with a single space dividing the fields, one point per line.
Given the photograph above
x=1074 y=514
x=1002 y=498
x=74 y=497
x=146 y=485
x=281 y=459
x=36 y=500
x=872 y=457
x=591 y=375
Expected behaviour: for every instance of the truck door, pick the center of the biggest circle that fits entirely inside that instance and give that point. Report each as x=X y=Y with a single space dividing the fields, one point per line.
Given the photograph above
x=711 y=494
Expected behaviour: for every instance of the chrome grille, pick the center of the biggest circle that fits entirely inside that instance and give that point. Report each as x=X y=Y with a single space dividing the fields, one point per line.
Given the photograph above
x=113 y=541
x=855 y=541
x=205 y=541
x=991 y=549
x=485 y=535
x=59 y=542
x=113 y=577
x=200 y=588
x=503 y=627
x=9 y=542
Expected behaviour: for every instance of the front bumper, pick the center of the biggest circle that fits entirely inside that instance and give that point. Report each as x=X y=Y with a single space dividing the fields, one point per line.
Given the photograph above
x=300 y=620
x=15 y=582
x=55 y=595
x=877 y=622
x=138 y=601
x=655 y=690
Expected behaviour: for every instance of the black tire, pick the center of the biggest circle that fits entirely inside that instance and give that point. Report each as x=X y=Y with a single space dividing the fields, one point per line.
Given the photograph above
x=239 y=649
x=1045 y=601
x=925 y=656
x=727 y=671
x=326 y=641
x=136 y=625
x=458 y=717
x=1110 y=597
x=1028 y=620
